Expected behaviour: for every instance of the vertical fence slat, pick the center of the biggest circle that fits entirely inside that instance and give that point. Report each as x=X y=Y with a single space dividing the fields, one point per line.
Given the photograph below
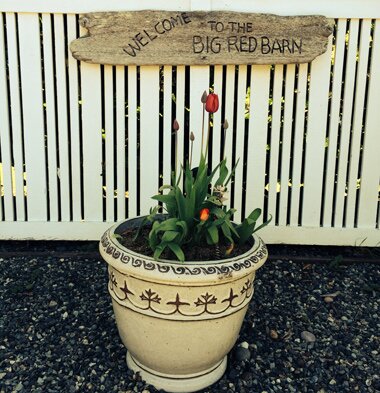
x=360 y=90
x=132 y=141
x=180 y=111
x=316 y=138
x=286 y=144
x=120 y=142
x=299 y=133
x=349 y=88
x=370 y=170
x=5 y=140
x=332 y=150
x=275 y=140
x=62 y=108
x=149 y=135
x=50 y=106
x=218 y=121
x=199 y=82
x=92 y=142
x=15 y=106
x=239 y=145
x=75 y=135
x=109 y=142
x=166 y=169
x=257 y=138
x=33 y=118
x=229 y=115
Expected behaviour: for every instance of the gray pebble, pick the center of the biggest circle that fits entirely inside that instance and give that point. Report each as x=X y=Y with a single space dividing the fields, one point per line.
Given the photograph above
x=308 y=337
x=242 y=354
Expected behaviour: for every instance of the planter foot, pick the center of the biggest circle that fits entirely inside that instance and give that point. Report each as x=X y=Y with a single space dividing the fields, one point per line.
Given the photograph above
x=178 y=383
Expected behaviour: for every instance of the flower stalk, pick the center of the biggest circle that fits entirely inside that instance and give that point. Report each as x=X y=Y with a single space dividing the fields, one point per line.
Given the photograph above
x=192 y=138
x=175 y=130
x=225 y=126
x=203 y=100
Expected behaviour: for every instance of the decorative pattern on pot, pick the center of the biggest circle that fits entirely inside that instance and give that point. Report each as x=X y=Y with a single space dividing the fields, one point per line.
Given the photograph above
x=178 y=302
x=112 y=248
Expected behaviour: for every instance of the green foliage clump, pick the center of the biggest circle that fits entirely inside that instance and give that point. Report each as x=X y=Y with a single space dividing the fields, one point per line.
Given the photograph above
x=196 y=214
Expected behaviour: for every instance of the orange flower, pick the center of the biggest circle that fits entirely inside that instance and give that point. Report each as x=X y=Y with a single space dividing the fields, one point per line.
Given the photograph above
x=212 y=103
x=204 y=214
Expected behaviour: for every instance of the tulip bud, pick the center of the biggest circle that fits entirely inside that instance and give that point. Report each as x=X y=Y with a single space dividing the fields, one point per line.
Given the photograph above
x=212 y=103
x=225 y=124
x=204 y=97
x=192 y=136
x=204 y=214
x=175 y=125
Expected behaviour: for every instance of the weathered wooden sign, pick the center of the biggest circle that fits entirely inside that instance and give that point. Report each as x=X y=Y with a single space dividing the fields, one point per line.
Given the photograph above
x=187 y=38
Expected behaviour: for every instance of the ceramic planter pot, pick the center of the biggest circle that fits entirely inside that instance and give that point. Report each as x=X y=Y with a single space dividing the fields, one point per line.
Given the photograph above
x=178 y=320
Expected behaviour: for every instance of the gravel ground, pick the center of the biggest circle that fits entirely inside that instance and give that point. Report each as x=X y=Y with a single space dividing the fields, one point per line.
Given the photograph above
x=309 y=328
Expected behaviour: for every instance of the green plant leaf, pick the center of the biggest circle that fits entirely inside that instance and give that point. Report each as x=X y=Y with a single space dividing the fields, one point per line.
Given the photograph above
x=232 y=173
x=150 y=218
x=214 y=200
x=181 y=204
x=213 y=234
x=158 y=251
x=177 y=251
x=169 y=236
x=166 y=187
x=167 y=199
x=188 y=180
x=255 y=214
x=227 y=232
x=218 y=212
x=169 y=202
x=153 y=240
x=248 y=226
x=223 y=173
x=167 y=225
x=264 y=224
x=232 y=227
x=183 y=231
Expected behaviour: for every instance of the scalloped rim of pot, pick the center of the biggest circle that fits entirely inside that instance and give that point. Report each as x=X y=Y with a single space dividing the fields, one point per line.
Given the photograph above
x=184 y=273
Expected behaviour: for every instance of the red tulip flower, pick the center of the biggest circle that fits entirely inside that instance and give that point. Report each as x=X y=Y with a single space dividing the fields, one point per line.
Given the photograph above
x=212 y=103
x=204 y=214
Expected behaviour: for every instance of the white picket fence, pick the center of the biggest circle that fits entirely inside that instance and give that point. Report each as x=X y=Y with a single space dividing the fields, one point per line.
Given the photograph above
x=83 y=146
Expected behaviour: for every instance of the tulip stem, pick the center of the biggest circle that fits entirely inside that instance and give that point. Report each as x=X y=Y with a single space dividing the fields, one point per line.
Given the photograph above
x=224 y=144
x=208 y=134
x=175 y=155
x=191 y=152
x=203 y=127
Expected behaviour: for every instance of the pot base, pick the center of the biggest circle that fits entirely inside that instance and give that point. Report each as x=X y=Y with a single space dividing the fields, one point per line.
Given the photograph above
x=178 y=383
